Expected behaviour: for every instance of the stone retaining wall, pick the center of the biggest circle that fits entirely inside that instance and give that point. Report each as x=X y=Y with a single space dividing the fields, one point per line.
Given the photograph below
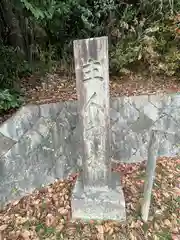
x=42 y=143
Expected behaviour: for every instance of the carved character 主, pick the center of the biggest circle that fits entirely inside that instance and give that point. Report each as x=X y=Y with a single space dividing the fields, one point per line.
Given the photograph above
x=92 y=70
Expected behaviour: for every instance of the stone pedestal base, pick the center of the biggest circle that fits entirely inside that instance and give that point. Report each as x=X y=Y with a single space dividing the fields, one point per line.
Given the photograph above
x=98 y=203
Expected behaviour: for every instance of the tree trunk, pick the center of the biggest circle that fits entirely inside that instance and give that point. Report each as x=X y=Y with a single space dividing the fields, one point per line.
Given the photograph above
x=15 y=37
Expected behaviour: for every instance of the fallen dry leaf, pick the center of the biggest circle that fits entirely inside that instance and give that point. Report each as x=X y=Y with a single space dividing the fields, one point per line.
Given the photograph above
x=167 y=222
x=3 y=227
x=175 y=237
x=100 y=229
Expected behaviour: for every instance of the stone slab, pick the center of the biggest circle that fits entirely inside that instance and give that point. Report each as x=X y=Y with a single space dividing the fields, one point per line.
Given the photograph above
x=100 y=203
x=5 y=144
x=39 y=157
x=51 y=110
x=23 y=120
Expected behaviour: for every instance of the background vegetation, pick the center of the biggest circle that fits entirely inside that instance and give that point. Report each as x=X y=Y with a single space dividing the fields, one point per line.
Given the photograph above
x=143 y=36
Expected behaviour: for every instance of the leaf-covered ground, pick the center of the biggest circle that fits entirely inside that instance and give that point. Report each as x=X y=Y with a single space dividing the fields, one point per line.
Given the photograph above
x=55 y=87
x=45 y=214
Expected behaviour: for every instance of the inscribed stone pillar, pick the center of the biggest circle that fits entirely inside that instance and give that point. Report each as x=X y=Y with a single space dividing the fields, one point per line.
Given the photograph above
x=93 y=196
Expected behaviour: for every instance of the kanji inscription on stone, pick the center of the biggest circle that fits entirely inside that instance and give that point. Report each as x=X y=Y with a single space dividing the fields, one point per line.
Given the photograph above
x=92 y=70
x=93 y=197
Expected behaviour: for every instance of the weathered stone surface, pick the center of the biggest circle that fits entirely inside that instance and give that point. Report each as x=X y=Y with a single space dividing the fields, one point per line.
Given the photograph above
x=32 y=139
x=130 y=133
x=150 y=173
x=23 y=176
x=159 y=112
x=99 y=203
x=51 y=110
x=94 y=195
x=5 y=144
x=42 y=155
x=17 y=162
x=21 y=122
x=43 y=126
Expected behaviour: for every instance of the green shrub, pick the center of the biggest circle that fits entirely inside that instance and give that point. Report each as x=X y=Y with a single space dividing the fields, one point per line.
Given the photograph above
x=9 y=100
x=9 y=66
x=13 y=66
x=156 y=47
x=140 y=33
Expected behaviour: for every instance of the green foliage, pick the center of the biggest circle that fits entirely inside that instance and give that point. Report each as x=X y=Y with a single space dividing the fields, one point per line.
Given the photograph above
x=140 y=33
x=9 y=100
x=9 y=65
x=157 y=47
x=12 y=65
x=45 y=231
x=40 y=10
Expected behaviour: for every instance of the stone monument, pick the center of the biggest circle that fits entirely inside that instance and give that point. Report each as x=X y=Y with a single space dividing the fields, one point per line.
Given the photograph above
x=96 y=194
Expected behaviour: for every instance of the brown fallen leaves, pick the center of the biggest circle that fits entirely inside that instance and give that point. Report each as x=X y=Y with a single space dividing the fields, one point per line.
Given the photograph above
x=54 y=87
x=165 y=209
x=45 y=214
